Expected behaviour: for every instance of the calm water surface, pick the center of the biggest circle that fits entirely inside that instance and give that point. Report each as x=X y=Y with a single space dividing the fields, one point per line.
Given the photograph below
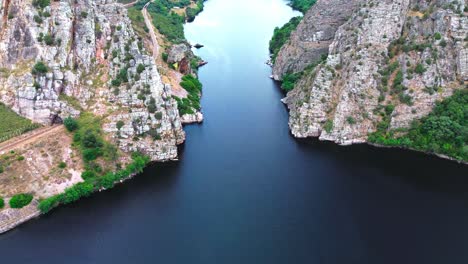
x=245 y=191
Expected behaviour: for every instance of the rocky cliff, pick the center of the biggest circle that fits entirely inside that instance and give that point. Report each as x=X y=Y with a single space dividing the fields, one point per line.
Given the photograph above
x=388 y=63
x=66 y=57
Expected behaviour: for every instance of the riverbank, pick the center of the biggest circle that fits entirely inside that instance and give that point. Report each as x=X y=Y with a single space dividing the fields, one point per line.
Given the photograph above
x=69 y=190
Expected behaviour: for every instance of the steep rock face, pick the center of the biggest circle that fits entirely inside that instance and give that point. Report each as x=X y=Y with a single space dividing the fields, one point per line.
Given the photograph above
x=313 y=35
x=85 y=45
x=401 y=54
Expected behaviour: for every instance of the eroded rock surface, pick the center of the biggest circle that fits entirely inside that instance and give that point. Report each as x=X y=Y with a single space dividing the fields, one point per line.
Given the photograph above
x=344 y=98
x=86 y=46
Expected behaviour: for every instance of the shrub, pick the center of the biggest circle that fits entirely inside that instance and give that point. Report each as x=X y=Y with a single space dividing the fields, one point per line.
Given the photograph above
x=328 y=126
x=70 y=124
x=88 y=175
x=41 y=3
x=351 y=120
x=39 y=68
x=120 y=124
x=2 y=203
x=437 y=36
x=20 y=200
x=289 y=81
x=419 y=69
x=49 y=40
x=140 y=68
x=62 y=165
x=443 y=43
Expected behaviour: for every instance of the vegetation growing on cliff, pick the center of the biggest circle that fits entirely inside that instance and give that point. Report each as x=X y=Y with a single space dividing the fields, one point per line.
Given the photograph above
x=290 y=79
x=281 y=36
x=194 y=87
x=302 y=5
x=443 y=131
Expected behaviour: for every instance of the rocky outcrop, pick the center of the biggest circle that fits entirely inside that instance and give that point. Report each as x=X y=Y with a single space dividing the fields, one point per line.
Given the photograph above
x=313 y=35
x=96 y=63
x=181 y=56
x=390 y=57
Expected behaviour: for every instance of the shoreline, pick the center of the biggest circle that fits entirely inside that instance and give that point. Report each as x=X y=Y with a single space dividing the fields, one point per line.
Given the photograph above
x=11 y=218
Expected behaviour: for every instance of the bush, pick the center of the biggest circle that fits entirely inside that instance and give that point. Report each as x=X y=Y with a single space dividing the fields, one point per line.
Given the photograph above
x=289 y=81
x=39 y=68
x=62 y=165
x=88 y=175
x=351 y=120
x=419 y=69
x=437 y=36
x=140 y=68
x=41 y=3
x=49 y=40
x=70 y=123
x=2 y=203
x=120 y=124
x=20 y=200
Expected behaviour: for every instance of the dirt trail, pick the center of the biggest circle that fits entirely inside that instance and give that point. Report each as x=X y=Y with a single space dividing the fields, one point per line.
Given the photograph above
x=150 y=26
x=130 y=4
x=29 y=137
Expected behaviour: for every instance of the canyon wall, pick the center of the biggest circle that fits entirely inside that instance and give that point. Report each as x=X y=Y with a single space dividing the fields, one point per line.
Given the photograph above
x=393 y=58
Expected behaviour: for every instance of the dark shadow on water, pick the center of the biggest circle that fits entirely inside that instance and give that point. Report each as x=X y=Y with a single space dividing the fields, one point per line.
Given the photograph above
x=423 y=171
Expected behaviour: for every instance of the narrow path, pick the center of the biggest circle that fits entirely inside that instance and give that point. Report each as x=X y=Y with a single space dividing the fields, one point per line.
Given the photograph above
x=130 y=4
x=150 y=26
x=28 y=137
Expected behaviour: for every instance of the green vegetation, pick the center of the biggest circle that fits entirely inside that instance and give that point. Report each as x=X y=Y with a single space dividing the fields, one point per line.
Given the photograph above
x=290 y=79
x=62 y=165
x=12 y=124
x=20 y=200
x=166 y=21
x=194 y=87
x=41 y=3
x=39 y=68
x=302 y=5
x=191 y=13
x=70 y=123
x=443 y=131
x=97 y=155
x=2 y=203
x=93 y=183
x=281 y=36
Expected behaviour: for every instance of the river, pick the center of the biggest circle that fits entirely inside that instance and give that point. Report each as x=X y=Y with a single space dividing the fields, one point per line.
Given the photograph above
x=245 y=191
